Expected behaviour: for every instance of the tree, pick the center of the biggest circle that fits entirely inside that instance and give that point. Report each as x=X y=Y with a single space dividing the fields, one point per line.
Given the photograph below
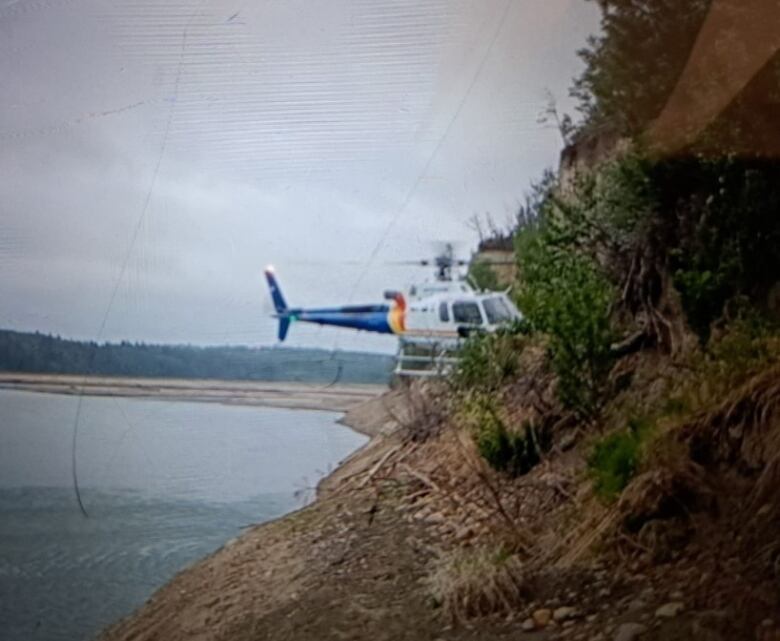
x=633 y=66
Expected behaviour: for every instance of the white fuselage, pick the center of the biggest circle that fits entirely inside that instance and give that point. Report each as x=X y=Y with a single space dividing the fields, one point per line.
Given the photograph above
x=441 y=310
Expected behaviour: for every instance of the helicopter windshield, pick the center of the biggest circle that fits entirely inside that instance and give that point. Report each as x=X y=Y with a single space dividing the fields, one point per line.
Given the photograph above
x=496 y=310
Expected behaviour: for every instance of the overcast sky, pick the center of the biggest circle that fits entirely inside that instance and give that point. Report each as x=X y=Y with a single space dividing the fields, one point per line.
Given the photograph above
x=155 y=156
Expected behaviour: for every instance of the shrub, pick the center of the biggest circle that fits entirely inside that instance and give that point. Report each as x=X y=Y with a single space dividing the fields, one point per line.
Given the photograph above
x=514 y=453
x=563 y=294
x=745 y=347
x=470 y=583
x=488 y=360
x=710 y=223
x=615 y=458
x=724 y=231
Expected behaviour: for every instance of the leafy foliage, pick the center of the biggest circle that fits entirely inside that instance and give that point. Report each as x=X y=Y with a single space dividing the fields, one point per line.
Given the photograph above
x=563 y=294
x=711 y=223
x=742 y=349
x=633 y=66
x=514 y=453
x=614 y=459
x=488 y=360
x=723 y=231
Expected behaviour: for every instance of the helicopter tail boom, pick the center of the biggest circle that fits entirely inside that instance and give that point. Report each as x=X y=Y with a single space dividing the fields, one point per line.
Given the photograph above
x=381 y=318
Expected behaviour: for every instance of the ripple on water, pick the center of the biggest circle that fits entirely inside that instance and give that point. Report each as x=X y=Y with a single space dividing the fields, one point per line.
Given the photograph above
x=56 y=566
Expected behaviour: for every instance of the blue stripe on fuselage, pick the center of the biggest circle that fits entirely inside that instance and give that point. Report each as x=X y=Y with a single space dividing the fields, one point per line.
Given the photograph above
x=369 y=318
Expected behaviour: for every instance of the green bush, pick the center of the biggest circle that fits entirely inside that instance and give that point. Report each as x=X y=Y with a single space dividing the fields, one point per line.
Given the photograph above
x=514 y=453
x=486 y=361
x=710 y=223
x=724 y=232
x=563 y=294
x=703 y=294
x=614 y=459
x=749 y=344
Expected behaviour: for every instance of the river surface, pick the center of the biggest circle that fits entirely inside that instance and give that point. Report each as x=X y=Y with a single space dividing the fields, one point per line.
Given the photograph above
x=164 y=484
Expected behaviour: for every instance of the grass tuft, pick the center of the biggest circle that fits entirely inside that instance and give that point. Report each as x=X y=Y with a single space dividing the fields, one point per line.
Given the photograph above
x=478 y=582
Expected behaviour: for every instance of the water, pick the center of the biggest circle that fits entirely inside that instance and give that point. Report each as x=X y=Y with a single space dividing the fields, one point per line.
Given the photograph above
x=164 y=483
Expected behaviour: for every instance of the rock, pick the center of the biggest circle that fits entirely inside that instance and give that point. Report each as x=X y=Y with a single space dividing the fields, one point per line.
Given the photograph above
x=670 y=610
x=768 y=623
x=568 y=440
x=463 y=533
x=564 y=613
x=542 y=617
x=676 y=596
x=630 y=631
x=636 y=604
x=528 y=625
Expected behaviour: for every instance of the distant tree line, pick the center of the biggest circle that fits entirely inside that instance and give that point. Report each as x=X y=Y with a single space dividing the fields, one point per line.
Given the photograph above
x=41 y=353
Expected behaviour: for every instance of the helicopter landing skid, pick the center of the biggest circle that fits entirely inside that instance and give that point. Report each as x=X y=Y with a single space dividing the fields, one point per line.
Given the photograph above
x=418 y=358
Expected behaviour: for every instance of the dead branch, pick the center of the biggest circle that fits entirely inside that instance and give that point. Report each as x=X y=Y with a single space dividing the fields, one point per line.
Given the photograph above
x=376 y=467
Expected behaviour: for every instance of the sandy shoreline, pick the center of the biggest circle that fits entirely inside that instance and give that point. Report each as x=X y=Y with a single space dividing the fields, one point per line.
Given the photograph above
x=336 y=398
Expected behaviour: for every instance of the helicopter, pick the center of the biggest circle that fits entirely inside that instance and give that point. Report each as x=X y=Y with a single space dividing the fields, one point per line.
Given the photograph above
x=441 y=311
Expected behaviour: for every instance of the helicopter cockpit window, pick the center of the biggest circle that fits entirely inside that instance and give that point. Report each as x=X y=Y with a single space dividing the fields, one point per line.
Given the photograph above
x=444 y=313
x=467 y=313
x=496 y=310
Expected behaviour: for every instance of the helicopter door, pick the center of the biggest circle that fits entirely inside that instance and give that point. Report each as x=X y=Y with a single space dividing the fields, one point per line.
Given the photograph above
x=467 y=313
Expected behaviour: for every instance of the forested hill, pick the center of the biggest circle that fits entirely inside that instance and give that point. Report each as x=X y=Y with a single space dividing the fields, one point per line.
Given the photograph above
x=35 y=352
